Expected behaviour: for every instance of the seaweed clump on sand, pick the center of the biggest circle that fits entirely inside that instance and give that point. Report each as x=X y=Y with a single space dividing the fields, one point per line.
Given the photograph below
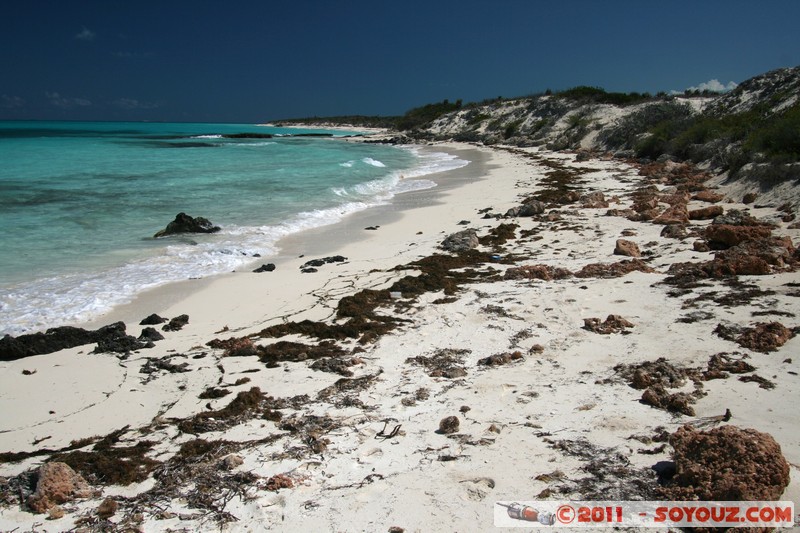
x=246 y=405
x=762 y=337
x=445 y=363
x=110 y=464
x=358 y=314
x=499 y=235
x=328 y=356
x=613 y=270
x=611 y=475
x=655 y=377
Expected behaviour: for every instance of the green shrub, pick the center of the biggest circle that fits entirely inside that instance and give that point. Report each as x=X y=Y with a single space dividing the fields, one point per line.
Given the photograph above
x=419 y=117
x=584 y=93
x=512 y=129
x=475 y=117
x=778 y=138
x=627 y=133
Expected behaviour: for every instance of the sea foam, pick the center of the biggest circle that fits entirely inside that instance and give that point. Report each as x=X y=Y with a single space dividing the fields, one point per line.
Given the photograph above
x=373 y=162
x=78 y=297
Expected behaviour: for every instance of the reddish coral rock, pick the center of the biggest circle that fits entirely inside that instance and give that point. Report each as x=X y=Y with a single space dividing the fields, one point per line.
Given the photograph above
x=726 y=235
x=765 y=337
x=279 y=481
x=708 y=196
x=58 y=483
x=613 y=270
x=706 y=213
x=612 y=324
x=676 y=214
x=726 y=464
x=627 y=248
x=545 y=272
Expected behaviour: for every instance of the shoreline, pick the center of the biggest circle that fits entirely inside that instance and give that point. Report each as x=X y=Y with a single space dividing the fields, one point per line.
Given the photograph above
x=554 y=399
x=310 y=243
x=81 y=309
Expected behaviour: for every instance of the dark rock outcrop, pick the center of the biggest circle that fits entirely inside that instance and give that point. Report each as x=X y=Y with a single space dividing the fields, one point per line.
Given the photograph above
x=122 y=344
x=752 y=258
x=152 y=320
x=56 y=339
x=461 y=241
x=311 y=266
x=183 y=223
x=150 y=334
x=177 y=323
x=530 y=208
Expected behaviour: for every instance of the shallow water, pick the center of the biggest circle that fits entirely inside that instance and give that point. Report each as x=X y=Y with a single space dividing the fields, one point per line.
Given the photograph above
x=80 y=202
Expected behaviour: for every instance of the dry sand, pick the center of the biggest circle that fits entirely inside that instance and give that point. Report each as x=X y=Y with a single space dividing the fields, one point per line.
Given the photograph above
x=527 y=429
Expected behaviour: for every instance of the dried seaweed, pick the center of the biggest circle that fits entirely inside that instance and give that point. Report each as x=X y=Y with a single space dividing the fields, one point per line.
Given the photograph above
x=437 y=273
x=611 y=475
x=499 y=235
x=246 y=404
x=446 y=363
x=110 y=464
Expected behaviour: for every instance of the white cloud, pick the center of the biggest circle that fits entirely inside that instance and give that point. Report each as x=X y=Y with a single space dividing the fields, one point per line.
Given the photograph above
x=715 y=86
x=11 y=102
x=132 y=103
x=66 y=103
x=85 y=34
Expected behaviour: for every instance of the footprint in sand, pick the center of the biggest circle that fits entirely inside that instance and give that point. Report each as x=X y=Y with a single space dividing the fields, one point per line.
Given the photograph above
x=370 y=456
x=477 y=489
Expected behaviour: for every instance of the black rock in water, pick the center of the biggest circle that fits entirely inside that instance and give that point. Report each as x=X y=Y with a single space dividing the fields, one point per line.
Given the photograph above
x=183 y=223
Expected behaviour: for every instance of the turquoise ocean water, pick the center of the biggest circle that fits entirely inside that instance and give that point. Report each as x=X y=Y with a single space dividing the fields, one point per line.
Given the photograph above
x=80 y=202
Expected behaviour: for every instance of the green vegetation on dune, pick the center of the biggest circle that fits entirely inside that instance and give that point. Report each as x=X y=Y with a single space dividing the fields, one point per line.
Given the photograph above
x=420 y=117
x=598 y=95
x=752 y=132
x=750 y=136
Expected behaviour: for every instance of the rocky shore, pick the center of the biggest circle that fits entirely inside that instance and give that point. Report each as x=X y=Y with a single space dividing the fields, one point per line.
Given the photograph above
x=566 y=326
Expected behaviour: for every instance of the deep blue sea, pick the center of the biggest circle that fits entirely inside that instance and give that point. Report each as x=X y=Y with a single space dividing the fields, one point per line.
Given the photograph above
x=81 y=201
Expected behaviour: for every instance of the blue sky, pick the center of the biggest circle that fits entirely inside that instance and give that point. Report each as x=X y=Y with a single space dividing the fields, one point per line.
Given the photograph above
x=253 y=61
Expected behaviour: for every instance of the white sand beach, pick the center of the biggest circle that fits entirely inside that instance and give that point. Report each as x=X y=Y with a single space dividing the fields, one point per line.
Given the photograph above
x=363 y=452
